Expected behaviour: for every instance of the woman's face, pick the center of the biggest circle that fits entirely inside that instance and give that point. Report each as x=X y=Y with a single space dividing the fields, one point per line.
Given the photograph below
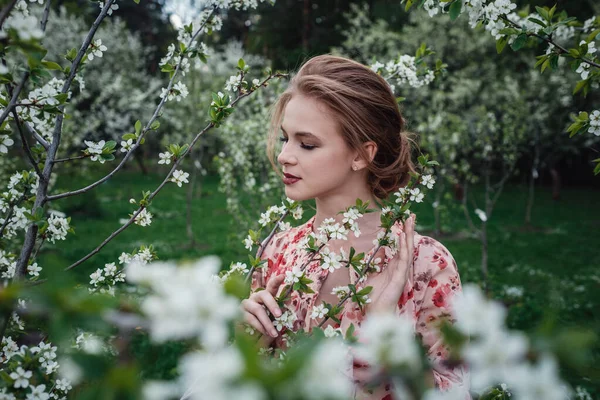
x=315 y=159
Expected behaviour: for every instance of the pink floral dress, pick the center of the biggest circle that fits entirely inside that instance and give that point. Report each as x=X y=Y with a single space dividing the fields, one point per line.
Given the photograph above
x=433 y=281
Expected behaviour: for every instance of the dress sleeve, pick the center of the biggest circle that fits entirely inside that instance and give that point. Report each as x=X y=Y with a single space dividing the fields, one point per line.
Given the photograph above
x=436 y=281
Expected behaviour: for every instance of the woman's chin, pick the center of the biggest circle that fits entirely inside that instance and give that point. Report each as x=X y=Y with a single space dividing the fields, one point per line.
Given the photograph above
x=294 y=195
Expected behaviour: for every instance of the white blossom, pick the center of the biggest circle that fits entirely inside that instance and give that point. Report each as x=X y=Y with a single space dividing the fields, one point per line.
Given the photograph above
x=319 y=311
x=96 y=49
x=428 y=181
x=293 y=276
x=185 y=301
x=126 y=145
x=144 y=218
x=180 y=177
x=58 y=228
x=481 y=214
x=21 y=378
x=416 y=195
x=165 y=158
x=34 y=269
x=5 y=143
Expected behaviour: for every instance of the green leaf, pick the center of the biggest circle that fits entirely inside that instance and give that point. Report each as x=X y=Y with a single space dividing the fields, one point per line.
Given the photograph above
x=128 y=136
x=111 y=144
x=241 y=64
x=62 y=97
x=543 y=12
x=597 y=169
x=501 y=44
x=592 y=36
x=182 y=47
x=519 y=42
x=537 y=21
x=580 y=85
x=136 y=1
x=455 y=9
x=155 y=125
x=51 y=65
x=138 y=126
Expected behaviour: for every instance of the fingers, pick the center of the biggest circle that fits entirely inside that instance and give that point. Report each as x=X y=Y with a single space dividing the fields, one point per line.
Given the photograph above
x=256 y=315
x=268 y=300
x=274 y=283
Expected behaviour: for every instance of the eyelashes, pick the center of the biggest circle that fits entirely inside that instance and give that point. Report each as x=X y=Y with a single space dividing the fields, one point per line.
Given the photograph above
x=283 y=139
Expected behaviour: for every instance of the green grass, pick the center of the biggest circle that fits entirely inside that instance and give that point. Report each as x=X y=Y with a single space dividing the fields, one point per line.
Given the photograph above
x=556 y=264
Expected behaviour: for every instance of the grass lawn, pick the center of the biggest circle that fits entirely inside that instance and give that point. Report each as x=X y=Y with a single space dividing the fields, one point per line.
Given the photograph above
x=556 y=265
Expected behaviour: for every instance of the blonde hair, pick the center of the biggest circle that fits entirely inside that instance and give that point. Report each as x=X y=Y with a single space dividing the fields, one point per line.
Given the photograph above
x=364 y=108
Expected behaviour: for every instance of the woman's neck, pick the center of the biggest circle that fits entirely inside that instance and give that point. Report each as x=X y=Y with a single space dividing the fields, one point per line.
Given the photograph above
x=330 y=207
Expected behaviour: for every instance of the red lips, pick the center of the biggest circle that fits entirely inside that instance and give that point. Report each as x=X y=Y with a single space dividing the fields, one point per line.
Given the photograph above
x=289 y=179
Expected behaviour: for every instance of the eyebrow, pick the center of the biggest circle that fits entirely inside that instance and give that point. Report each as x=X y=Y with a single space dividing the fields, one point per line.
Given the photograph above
x=303 y=134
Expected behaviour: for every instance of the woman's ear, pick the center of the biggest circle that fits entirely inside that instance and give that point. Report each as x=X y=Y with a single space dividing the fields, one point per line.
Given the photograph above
x=359 y=162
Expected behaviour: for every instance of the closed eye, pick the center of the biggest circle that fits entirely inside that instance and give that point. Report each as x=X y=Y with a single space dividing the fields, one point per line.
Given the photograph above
x=284 y=139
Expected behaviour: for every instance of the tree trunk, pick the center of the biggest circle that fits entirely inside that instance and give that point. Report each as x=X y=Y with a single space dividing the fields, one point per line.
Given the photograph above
x=533 y=176
x=484 y=256
x=555 y=183
x=306 y=25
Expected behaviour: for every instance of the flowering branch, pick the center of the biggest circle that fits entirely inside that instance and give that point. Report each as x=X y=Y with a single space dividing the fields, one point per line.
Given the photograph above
x=13 y=101
x=143 y=132
x=266 y=242
x=549 y=40
x=167 y=178
x=10 y=211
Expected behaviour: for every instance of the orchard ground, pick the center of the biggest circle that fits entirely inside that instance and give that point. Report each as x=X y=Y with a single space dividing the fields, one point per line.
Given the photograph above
x=548 y=273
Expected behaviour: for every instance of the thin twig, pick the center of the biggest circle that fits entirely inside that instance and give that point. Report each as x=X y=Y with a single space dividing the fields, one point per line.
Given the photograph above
x=59 y=160
x=265 y=243
x=15 y=96
x=26 y=145
x=142 y=134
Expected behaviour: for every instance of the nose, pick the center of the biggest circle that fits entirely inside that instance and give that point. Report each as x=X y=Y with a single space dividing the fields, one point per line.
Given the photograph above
x=286 y=157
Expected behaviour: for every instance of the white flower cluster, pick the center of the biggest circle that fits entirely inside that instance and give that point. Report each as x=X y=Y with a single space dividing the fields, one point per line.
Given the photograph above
x=211 y=375
x=5 y=143
x=233 y=83
x=595 y=122
x=42 y=121
x=404 y=71
x=58 y=227
x=95 y=149
x=584 y=68
x=330 y=261
x=142 y=256
x=286 y=320
x=405 y=194
x=178 y=92
x=179 y=177
x=144 y=218
x=235 y=268
x=391 y=342
x=89 y=343
x=350 y=218
x=293 y=276
x=185 y=301
x=496 y=355
x=41 y=360
x=327 y=373
x=272 y=214
x=113 y=7
x=26 y=27
x=104 y=280
x=8 y=264
x=331 y=230
x=236 y=4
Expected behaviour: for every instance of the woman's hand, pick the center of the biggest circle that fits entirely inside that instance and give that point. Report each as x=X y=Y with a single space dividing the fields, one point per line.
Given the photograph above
x=388 y=285
x=255 y=307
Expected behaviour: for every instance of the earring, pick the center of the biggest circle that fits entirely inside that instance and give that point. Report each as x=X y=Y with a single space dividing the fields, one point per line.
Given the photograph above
x=354 y=168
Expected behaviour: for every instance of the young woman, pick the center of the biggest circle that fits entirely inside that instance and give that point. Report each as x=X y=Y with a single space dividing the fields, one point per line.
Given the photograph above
x=343 y=138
